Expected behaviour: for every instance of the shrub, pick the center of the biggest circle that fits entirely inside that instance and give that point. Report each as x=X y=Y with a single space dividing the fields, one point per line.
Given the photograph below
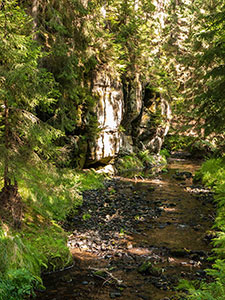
x=212 y=174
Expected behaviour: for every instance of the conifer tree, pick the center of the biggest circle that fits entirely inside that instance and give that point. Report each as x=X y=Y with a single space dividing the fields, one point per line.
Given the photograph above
x=210 y=60
x=23 y=138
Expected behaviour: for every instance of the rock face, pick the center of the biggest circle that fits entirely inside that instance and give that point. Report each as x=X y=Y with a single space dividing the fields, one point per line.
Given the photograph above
x=150 y=135
x=109 y=110
x=126 y=115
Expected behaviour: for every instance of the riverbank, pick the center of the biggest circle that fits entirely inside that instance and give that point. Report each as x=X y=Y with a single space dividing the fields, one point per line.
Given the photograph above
x=32 y=239
x=39 y=244
x=212 y=174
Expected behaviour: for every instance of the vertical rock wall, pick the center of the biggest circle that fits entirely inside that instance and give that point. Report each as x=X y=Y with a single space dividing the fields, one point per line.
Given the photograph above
x=108 y=88
x=126 y=117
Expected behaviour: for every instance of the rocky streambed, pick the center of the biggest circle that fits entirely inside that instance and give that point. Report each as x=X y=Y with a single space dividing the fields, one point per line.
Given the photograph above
x=136 y=238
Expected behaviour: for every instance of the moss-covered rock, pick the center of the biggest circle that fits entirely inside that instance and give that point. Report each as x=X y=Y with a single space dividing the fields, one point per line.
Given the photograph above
x=147 y=268
x=128 y=162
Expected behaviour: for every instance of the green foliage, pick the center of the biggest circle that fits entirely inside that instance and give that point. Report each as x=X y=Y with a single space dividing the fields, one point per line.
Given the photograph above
x=150 y=160
x=210 y=101
x=208 y=291
x=146 y=157
x=201 y=54
x=50 y=191
x=143 y=160
x=89 y=180
x=177 y=142
x=86 y=216
x=164 y=152
x=20 y=265
x=192 y=144
x=212 y=174
x=49 y=244
x=41 y=246
x=18 y=285
x=128 y=162
x=18 y=253
x=53 y=193
x=64 y=30
x=24 y=85
x=49 y=195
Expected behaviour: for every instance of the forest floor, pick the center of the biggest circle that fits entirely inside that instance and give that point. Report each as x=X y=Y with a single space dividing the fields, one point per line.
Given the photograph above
x=136 y=238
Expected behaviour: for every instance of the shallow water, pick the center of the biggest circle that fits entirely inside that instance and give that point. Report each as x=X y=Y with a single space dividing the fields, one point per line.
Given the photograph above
x=164 y=222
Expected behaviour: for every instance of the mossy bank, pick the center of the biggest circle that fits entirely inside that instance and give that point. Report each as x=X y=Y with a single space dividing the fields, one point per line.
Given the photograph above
x=40 y=244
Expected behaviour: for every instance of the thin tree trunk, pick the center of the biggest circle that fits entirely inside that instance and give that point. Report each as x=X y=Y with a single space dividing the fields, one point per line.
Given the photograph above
x=6 y=162
x=34 y=13
x=6 y=121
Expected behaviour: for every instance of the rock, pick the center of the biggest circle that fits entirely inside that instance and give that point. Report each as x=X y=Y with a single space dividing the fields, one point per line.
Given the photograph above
x=199 y=255
x=125 y=117
x=114 y=295
x=148 y=269
x=180 y=154
x=126 y=144
x=201 y=273
x=151 y=189
x=129 y=246
x=179 y=252
x=182 y=175
x=67 y=278
x=162 y=226
x=143 y=297
x=109 y=169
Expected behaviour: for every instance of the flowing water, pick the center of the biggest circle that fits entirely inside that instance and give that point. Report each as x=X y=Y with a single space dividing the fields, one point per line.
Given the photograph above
x=138 y=238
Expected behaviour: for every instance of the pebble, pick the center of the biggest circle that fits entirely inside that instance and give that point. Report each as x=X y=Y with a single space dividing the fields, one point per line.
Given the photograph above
x=143 y=297
x=116 y=216
x=114 y=295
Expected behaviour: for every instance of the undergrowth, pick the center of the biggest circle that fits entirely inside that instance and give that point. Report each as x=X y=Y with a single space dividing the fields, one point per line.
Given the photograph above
x=128 y=162
x=48 y=195
x=196 y=146
x=212 y=174
x=140 y=161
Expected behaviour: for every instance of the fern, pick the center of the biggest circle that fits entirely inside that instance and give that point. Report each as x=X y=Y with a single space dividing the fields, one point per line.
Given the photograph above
x=212 y=173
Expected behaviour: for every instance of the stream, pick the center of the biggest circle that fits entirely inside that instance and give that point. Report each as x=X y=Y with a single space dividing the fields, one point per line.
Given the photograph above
x=136 y=238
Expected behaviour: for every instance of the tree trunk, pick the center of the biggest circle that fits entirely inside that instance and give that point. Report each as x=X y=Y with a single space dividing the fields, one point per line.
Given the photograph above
x=6 y=162
x=34 y=13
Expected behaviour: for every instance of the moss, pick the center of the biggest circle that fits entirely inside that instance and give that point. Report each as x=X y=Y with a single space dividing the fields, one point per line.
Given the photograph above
x=142 y=160
x=128 y=162
x=148 y=269
x=151 y=160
